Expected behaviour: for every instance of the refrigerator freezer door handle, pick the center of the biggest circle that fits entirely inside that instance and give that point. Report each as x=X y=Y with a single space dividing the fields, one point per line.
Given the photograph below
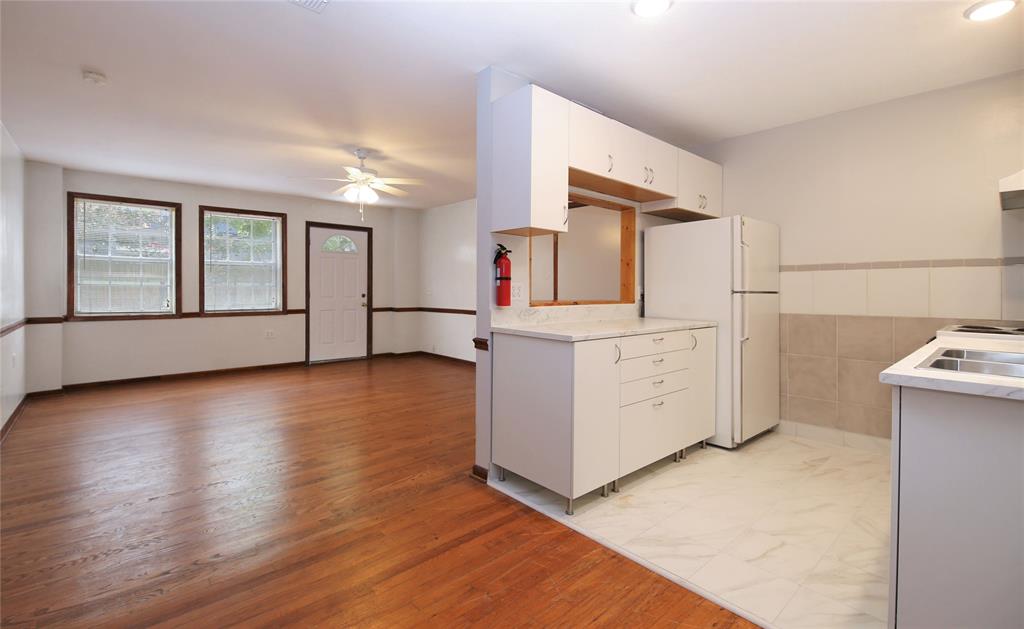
x=745 y=329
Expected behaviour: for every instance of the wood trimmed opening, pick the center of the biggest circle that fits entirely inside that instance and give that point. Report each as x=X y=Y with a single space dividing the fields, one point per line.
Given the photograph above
x=627 y=255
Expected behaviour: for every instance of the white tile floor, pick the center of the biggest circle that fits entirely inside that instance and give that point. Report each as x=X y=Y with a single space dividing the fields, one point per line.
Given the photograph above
x=793 y=532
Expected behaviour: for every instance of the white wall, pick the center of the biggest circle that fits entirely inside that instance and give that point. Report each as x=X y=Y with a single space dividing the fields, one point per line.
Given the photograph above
x=94 y=350
x=914 y=178
x=12 y=274
x=913 y=181
x=447 y=278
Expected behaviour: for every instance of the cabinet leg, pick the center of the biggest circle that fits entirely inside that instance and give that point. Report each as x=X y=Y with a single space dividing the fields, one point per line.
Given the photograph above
x=501 y=473
x=703 y=444
x=676 y=457
x=604 y=490
x=684 y=453
x=615 y=485
x=568 y=506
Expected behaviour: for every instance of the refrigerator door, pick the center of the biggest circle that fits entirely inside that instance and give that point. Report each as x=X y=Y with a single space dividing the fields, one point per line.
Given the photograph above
x=755 y=364
x=755 y=256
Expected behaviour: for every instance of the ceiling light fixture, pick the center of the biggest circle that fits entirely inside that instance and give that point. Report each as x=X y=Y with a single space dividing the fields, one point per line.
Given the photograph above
x=651 y=8
x=989 y=10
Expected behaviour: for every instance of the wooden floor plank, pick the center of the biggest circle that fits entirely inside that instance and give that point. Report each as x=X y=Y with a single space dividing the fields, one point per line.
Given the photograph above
x=336 y=495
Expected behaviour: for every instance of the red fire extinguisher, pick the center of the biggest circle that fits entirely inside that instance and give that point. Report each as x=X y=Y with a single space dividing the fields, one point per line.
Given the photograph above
x=503 y=276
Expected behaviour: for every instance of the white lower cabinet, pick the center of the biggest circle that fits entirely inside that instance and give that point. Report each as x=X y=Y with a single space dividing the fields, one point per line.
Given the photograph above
x=576 y=416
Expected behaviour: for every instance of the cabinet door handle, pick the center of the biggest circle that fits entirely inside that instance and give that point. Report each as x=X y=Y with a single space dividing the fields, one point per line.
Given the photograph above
x=657 y=404
x=611 y=162
x=657 y=361
x=618 y=354
x=693 y=345
x=652 y=176
x=658 y=383
x=565 y=213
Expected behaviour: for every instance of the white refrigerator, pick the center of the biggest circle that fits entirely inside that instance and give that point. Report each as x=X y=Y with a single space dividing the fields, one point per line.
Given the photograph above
x=724 y=270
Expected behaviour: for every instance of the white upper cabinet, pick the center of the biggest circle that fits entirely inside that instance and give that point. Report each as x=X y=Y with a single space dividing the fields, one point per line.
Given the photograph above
x=700 y=185
x=662 y=162
x=628 y=163
x=590 y=143
x=530 y=144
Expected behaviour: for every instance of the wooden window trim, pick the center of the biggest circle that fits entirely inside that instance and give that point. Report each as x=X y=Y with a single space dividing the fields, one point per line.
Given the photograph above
x=72 y=314
x=627 y=264
x=283 y=309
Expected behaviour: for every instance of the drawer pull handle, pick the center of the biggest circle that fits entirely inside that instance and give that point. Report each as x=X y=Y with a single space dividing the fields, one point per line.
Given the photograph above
x=658 y=361
x=657 y=404
x=658 y=339
x=658 y=383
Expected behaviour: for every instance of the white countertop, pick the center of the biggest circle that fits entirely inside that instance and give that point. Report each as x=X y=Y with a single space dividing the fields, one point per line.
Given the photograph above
x=906 y=374
x=573 y=331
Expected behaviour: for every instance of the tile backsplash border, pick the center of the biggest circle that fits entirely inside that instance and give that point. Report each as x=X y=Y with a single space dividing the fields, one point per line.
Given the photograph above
x=903 y=264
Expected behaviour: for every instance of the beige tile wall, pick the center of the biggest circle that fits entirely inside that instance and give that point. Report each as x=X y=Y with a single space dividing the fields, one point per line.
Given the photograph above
x=830 y=366
x=968 y=290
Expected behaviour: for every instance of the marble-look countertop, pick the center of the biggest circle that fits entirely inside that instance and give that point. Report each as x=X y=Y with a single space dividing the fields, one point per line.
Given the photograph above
x=573 y=331
x=906 y=374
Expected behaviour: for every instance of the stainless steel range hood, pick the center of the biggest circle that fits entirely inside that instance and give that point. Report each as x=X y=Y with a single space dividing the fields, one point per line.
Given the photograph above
x=1011 y=191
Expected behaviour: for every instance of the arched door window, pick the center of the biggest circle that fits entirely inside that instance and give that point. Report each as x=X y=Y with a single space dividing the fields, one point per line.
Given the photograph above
x=339 y=244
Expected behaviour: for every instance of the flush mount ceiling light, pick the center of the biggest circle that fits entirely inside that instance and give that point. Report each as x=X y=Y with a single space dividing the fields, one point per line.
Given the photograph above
x=651 y=8
x=989 y=10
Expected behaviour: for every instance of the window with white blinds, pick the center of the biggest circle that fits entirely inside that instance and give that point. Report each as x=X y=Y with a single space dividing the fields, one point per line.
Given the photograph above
x=124 y=257
x=243 y=261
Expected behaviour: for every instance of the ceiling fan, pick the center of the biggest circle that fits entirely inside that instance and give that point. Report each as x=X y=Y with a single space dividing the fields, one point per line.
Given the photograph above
x=361 y=183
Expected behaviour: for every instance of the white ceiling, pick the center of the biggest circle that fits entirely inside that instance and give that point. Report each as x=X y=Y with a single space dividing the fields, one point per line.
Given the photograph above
x=259 y=94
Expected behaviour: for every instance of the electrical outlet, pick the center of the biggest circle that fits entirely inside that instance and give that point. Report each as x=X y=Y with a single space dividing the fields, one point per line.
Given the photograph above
x=270 y=334
x=517 y=291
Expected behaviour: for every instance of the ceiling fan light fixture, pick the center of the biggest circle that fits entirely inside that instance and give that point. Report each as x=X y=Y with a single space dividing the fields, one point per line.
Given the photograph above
x=989 y=10
x=650 y=8
x=361 y=193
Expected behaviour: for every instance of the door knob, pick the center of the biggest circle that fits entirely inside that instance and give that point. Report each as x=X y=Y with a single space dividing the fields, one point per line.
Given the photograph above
x=364 y=304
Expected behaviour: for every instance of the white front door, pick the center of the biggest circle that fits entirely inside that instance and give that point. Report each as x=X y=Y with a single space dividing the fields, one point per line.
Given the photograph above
x=337 y=293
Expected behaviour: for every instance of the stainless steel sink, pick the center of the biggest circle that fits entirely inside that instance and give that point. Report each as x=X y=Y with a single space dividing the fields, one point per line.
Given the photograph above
x=976 y=361
x=977 y=366
x=991 y=357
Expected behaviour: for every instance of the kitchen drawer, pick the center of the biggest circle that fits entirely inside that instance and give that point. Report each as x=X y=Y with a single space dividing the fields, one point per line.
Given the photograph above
x=647 y=388
x=649 y=430
x=647 y=344
x=636 y=368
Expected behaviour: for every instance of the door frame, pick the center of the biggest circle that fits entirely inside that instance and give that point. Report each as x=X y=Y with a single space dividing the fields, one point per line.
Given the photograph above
x=369 y=283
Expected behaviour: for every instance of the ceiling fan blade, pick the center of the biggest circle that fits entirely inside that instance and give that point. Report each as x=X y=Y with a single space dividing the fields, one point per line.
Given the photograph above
x=353 y=171
x=401 y=181
x=318 y=178
x=343 y=188
x=383 y=187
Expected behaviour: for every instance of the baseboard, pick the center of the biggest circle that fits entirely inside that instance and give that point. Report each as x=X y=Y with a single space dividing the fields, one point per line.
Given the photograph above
x=478 y=473
x=423 y=354
x=18 y=410
x=835 y=437
x=175 y=376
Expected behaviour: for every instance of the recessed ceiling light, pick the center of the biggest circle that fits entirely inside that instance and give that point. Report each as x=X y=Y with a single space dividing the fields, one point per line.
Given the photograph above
x=989 y=10
x=651 y=8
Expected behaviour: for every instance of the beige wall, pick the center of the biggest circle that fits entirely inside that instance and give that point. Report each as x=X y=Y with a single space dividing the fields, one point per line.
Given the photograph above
x=12 y=275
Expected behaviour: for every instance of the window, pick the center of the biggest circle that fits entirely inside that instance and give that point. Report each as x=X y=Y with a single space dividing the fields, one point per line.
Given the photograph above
x=339 y=244
x=243 y=261
x=123 y=257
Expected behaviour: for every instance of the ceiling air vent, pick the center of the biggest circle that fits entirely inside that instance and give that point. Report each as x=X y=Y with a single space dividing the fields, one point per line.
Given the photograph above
x=316 y=6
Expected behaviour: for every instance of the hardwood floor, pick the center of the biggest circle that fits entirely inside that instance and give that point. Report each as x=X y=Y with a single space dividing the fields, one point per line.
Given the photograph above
x=336 y=495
